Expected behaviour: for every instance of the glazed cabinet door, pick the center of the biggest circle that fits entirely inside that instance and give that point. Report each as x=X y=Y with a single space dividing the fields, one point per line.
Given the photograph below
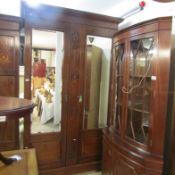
x=118 y=67
x=139 y=89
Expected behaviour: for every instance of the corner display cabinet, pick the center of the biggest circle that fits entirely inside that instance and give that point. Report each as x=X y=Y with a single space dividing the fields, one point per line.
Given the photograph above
x=133 y=144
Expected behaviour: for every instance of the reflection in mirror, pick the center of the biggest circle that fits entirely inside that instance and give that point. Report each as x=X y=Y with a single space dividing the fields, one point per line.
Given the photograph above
x=47 y=58
x=21 y=65
x=97 y=69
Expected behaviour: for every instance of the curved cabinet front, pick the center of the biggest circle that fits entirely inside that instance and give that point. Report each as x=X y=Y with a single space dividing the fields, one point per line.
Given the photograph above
x=119 y=160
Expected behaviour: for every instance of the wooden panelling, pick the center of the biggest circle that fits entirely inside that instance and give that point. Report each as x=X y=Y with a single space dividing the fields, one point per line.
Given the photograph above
x=151 y=26
x=117 y=160
x=91 y=141
x=48 y=149
x=8 y=140
x=10 y=23
x=42 y=151
x=9 y=83
x=78 y=168
x=7 y=56
x=54 y=14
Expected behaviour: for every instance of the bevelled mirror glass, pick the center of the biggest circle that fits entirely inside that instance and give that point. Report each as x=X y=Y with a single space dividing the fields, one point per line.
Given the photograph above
x=46 y=80
x=97 y=71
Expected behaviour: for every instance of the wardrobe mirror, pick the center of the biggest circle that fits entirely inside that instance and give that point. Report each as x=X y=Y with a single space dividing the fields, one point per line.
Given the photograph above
x=97 y=70
x=46 y=80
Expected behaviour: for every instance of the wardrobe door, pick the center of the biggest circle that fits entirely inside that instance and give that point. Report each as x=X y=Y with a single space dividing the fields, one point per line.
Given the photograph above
x=47 y=93
x=96 y=88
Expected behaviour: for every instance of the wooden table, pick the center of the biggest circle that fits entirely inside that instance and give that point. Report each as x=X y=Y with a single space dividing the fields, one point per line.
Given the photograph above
x=26 y=166
x=13 y=108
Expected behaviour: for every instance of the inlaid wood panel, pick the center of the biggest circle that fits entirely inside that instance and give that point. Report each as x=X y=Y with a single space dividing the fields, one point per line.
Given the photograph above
x=48 y=149
x=7 y=57
x=91 y=141
x=9 y=83
x=74 y=91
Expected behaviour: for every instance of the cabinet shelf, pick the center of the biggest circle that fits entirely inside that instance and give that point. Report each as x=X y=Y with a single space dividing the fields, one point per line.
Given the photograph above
x=140 y=76
x=118 y=103
x=119 y=75
x=138 y=110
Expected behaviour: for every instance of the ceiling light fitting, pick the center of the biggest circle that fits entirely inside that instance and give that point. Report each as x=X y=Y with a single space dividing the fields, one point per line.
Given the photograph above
x=135 y=10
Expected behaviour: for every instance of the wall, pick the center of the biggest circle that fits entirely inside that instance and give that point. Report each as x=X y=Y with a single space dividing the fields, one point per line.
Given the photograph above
x=10 y=7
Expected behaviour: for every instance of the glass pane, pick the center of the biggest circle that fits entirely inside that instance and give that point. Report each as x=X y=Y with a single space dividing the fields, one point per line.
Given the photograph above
x=118 y=116
x=142 y=51
x=119 y=62
x=137 y=126
x=97 y=68
x=119 y=51
x=47 y=60
x=139 y=93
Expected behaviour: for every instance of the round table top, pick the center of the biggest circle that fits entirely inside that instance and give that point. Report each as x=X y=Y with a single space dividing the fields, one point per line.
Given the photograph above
x=14 y=105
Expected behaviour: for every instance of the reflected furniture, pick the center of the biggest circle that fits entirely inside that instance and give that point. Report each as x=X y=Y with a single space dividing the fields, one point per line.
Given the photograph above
x=45 y=108
x=12 y=108
x=26 y=166
x=134 y=142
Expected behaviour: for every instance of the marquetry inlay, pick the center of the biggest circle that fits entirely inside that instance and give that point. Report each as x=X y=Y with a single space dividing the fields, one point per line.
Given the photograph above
x=4 y=59
x=5 y=49
x=75 y=40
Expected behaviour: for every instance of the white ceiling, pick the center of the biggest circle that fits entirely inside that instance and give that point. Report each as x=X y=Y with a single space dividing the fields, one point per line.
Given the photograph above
x=116 y=8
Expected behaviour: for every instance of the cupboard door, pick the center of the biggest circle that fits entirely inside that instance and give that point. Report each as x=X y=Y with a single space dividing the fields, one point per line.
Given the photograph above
x=116 y=163
x=124 y=167
x=107 y=160
x=140 y=88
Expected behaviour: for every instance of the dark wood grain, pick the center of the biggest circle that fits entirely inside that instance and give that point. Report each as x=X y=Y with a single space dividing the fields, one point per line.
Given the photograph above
x=14 y=108
x=9 y=56
x=129 y=156
x=76 y=25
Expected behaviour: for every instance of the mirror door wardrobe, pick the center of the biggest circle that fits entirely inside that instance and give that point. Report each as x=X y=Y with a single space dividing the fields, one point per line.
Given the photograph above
x=73 y=144
x=46 y=75
x=46 y=80
x=46 y=88
x=96 y=87
x=97 y=70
